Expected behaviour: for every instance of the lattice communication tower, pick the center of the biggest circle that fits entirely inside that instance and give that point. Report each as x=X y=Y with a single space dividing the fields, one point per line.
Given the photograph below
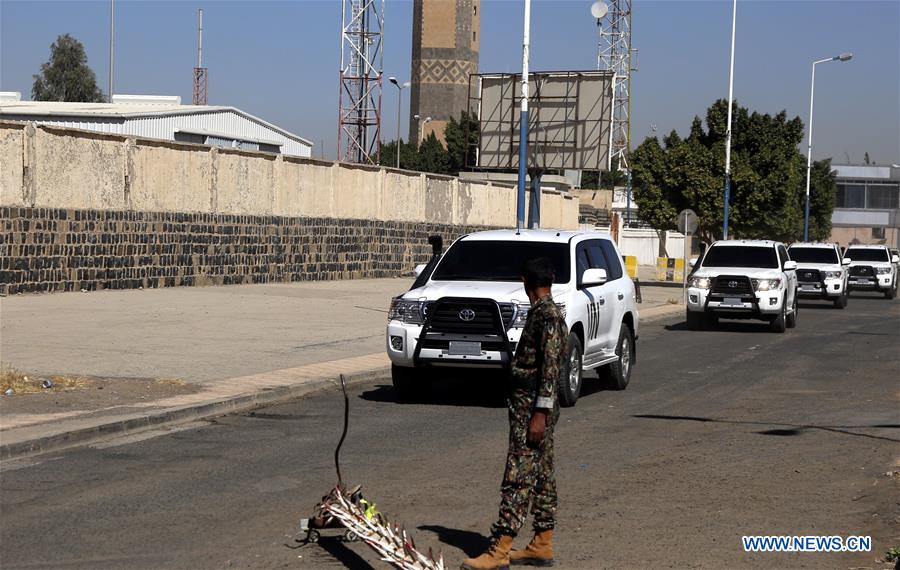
x=614 y=54
x=200 y=73
x=359 y=123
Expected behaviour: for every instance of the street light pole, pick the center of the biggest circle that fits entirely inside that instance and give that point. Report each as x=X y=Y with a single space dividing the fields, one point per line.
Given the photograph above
x=400 y=89
x=422 y=130
x=523 y=121
x=728 y=126
x=812 y=91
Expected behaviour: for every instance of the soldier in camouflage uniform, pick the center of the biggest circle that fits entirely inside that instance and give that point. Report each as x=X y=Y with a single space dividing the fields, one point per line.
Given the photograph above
x=529 y=477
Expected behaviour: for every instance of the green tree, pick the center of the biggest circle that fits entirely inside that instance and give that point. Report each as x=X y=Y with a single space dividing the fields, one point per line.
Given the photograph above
x=409 y=155
x=461 y=137
x=768 y=177
x=66 y=76
x=594 y=179
x=433 y=156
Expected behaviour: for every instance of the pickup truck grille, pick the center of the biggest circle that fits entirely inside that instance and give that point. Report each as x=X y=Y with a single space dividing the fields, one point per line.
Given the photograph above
x=732 y=285
x=809 y=276
x=448 y=316
x=862 y=271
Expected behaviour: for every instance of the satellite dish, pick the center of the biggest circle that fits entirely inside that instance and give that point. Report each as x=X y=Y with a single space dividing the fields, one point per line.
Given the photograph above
x=599 y=9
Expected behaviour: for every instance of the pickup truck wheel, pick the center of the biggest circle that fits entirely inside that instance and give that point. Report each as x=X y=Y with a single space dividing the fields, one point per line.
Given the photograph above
x=620 y=370
x=571 y=375
x=779 y=323
x=891 y=293
x=694 y=321
x=710 y=320
x=795 y=313
x=409 y=385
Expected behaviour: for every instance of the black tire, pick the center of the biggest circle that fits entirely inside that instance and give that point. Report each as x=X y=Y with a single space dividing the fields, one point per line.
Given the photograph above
x=409 y=385
x=620 y=370
x=841 y=302
x=779 y=323
x=791 y=321
x=890 y=293
x=694 y=321
x=710 y=321
x=571 y=376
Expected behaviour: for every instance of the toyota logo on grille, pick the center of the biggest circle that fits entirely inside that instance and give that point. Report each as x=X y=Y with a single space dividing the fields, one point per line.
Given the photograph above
x=467 y=315
x=732 y=284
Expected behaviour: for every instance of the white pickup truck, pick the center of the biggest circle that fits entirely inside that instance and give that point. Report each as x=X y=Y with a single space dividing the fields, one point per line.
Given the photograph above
x=470 y=310
x=873 y=268
x=821 y=272
x=743 y=279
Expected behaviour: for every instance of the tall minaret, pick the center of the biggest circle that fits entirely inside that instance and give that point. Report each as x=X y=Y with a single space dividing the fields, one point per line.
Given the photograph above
x=446 y=36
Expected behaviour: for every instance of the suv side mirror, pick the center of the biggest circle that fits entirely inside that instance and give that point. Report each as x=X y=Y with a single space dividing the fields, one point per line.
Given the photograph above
x=592 y=277
x=895 y=259
x=846 y=261
x=419 y=269
x=790 y=265
x=693 y=262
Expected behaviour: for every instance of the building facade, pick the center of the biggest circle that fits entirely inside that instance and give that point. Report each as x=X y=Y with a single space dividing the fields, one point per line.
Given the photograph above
x=446 y=39
x=161 y=118
x=867 y=205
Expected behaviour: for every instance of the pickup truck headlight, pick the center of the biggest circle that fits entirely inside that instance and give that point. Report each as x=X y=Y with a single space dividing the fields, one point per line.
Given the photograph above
x=406 y=311
x=767 y=284
x=522 y=313
x=883 y=270
x=832 y=274
x=700 y=282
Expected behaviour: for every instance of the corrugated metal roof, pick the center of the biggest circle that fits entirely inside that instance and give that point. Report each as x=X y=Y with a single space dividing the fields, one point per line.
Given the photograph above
x=94 y=111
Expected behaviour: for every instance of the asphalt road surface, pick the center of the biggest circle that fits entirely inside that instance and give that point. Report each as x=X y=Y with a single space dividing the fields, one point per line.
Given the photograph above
x=721 y=434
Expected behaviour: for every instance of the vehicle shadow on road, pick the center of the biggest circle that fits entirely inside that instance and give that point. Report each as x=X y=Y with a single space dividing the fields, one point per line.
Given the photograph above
x=472 y=543
x=786 y=430
x=726 y=326
x=475 y=390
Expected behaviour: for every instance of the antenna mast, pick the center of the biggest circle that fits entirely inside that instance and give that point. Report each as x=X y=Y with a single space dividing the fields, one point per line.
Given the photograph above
x=359 y=121
x=614 y=54
x=200 y=72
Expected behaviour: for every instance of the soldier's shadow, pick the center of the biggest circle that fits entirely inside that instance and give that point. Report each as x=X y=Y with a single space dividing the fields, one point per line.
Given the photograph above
x=472 y=543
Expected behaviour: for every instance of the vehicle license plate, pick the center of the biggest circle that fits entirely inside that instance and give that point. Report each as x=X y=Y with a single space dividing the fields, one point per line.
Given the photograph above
x=732 y=301
x=863 y=281
x=464 y=348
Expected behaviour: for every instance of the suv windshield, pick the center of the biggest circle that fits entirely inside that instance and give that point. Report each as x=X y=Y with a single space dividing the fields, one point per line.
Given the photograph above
x=740 y=256
x=813 y=254
x=860 y=254
x=478 y=260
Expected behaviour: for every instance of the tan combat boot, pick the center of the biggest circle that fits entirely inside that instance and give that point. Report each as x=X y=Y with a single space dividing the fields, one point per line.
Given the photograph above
x=539 y=551
x=495 y=558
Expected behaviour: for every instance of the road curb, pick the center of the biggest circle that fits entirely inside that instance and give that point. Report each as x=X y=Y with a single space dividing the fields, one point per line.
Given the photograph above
x=655 y=314
x=176 y=415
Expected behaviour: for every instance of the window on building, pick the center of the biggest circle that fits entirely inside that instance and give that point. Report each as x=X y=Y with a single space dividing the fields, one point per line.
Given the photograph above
x=877 y=233
x=882 y=196
x=190 y=137
x=851 y=196
x=475 y=10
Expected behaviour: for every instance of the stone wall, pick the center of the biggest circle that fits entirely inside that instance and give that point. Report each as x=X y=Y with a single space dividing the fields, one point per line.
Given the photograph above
x=85 y=210
x=53 y=249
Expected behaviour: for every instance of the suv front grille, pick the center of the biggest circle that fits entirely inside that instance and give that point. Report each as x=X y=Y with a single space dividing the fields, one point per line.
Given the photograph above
x=447 y=314
x=447 y=317
x=732 y=285
x=809 y=276
x=862 y=271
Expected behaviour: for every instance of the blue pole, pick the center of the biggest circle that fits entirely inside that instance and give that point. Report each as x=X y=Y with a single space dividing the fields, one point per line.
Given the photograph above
x=806 y=221
x=727 y=199
x=523 y=160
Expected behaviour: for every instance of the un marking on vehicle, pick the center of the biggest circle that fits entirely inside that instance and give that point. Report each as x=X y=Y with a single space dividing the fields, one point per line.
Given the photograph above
x=467 y=315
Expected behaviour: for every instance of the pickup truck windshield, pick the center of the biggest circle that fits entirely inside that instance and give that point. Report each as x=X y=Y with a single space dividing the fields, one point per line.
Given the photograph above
x=478 y=260
x=813 y=255
x=741 y=256
x=859 y=254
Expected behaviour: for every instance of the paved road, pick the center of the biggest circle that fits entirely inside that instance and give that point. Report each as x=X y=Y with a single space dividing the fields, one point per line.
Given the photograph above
x=721 y=434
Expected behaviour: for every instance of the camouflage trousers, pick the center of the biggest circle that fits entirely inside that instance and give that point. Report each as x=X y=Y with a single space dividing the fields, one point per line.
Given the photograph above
x=529 y=479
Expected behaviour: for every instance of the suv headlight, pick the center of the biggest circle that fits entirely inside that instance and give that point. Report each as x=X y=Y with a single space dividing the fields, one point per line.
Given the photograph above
x=521 y=314
x=767 y=284
x=700 y=282
x=406 y=311
x=832 y=274
x=883 y=270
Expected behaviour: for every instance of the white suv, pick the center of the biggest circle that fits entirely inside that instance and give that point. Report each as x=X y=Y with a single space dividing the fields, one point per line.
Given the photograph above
x=743 y=279
x=470 y=310
x=821 y=272
x=873 y=268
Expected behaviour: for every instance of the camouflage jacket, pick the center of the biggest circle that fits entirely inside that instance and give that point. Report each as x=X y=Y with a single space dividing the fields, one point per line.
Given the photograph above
x=541 y=352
